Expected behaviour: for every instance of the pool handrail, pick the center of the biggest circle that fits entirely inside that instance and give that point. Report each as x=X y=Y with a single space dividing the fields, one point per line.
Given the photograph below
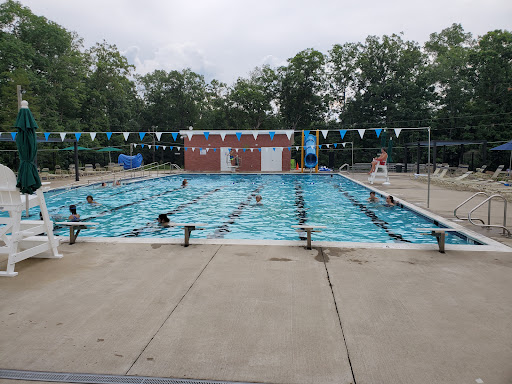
x=343 y=166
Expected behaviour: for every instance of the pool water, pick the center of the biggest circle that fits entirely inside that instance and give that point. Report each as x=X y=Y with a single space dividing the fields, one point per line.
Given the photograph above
x=227 y=204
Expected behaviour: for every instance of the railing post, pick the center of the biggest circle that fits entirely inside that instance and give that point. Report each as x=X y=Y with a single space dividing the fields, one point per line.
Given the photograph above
x=489 y=212
x=504 y=215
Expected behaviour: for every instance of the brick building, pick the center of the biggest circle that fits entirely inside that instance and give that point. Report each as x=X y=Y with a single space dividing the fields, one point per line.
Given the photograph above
x=241 y=151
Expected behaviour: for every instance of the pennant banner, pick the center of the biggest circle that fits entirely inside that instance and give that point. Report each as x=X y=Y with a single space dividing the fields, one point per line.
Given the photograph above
x=157 y=146
x=93 y=135
x=189 y=135
x=77 y=135
x=397 y=131
x=361 y=132
x=289 y=135
x=109 y=135
x=13 y=134
x=142 y=145
x=174 y=135
x=255 y=135
x=47 y=135
x=306 y=133
x=223 y=135
x=335 y=145
x=324 y=133
x=343 y=144
x=343 y=133
x=272 y=136
x=62 y=136
x=126 y=134
x=214 y=149
x=378 y=131
x=206 y=135
x=141 y=135
x=158 y=135
x=149 y=146
x=238 y=135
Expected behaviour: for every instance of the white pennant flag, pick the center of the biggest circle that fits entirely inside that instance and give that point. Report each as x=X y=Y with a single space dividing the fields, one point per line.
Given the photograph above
x=126 y=134
x=62 y=136
x=328 y=145
x=178 y=148
x=149 y=146
x=343 y=144
x=193 y=149
x=255 y=134
x=296 y=148
x=93 y=135
x=158 y=135
x=252 y=149
x=236 y=150
x=361 y=132
x=324 y=133
x=397 y=131
x=207 y=149
x=164 y=147
x=189 y=135
x=289 y=134
x=134 y=145
x=222 y=135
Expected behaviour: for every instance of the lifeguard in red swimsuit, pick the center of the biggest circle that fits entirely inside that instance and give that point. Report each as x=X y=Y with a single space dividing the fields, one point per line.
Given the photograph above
x=381 y=159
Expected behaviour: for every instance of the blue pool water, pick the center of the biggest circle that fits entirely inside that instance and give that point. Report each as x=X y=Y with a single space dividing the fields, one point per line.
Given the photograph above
x=227 y=203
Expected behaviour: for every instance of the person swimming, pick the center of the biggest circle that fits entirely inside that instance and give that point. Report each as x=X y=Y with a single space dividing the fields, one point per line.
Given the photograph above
x=390 y=201
x=258 y=199
x=90 y=200
x=373 y=198
x=163 y=220
x=184 y=183
x=74 y=216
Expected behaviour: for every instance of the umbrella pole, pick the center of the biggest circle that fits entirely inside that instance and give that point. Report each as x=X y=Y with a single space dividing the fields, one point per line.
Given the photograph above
x=428 y=170
x=77 y=172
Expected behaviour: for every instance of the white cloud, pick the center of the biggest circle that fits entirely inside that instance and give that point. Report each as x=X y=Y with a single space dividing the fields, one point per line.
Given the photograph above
x=226 y=39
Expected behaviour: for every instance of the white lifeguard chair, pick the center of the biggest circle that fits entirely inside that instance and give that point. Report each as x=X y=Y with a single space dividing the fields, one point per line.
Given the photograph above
x=21 y=236
x=380 y=176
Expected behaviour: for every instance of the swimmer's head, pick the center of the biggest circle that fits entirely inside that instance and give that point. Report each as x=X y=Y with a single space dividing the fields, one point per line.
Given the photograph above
x=89 y=199
x=258 y=198
x=162 y=218
x=72 y=209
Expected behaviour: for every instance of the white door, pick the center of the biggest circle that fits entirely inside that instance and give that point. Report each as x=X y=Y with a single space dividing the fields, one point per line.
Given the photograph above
x=271 y=161
x=225 y=163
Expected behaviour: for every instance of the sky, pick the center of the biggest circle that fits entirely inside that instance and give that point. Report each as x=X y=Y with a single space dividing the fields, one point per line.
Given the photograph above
x=226 y=39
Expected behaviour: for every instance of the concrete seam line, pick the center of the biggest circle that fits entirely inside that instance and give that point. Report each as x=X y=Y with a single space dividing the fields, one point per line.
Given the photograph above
x=338 y=314
x=170 y=314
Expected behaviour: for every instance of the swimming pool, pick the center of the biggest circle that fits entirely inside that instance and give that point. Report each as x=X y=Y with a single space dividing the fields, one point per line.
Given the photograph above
x=227 y=203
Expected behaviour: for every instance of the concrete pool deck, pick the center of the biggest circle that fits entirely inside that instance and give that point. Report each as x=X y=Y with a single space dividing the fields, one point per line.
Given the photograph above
x=270 y=314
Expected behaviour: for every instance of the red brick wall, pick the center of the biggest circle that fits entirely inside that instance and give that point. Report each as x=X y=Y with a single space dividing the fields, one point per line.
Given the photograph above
x=249 y=161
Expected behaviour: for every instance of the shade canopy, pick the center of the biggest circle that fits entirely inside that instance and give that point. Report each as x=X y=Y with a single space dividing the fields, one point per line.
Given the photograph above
x=28 y=178
x=503 y=147
x=109 y=149
x=73 y=148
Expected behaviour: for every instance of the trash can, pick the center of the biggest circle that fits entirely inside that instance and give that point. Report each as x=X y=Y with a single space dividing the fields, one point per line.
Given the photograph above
x=398 y=168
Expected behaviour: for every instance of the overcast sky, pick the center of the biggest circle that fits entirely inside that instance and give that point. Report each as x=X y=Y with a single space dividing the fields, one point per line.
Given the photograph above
x=225 y=39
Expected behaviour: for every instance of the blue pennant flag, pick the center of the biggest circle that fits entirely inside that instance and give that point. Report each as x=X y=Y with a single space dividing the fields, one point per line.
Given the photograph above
x=244 y=149
x=319 y=146
x=239 y=135
x=378 y=131
x=77 y=135
x=342 y=133
x=157 y=146
x=335 y=145
x=271 y=135
x=47 y=135
x=141 y=135
x=259 y=149
x=305 y=147
x=174 y=135
x=142 y=145
x=13 y=134
x=214 y=149
x=200 y=148
x=186 y=148
x=206 y=134
x=171 y=147
x=290 y=149
x=274 y=149
x=109 y=135
x=306 y=133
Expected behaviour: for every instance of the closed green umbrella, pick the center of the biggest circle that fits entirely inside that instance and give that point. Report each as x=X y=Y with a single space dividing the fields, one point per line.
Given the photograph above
x=26 y=141
x=390 y=149
x=73 y=148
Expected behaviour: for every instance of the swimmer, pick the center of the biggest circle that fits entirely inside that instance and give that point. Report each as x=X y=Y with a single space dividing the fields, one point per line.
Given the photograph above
x=390 y=202
x=103 y=184
x=163 y=220
x=116 y=183
x=373 y=198
x=74 y=216
x=258 y=199
x=90 y=200
x=184 y=183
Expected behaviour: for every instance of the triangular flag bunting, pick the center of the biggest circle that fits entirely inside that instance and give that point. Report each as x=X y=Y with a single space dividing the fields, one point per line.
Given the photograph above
x=236 y=150
x=343 y=144
x=47 y=135
x=335 y=145
x=207 y=149
x=361 y=132
x=149 y=146
x=378 y=131
x=244 y=149
x=238 y=135
x=252 y=149
x=397 y=131
x=193 y=149
x=189 y=135
x=214 y=149
x=93 y=135
x=142 y=134
x=158 y=135
x=164 y=147
x=306 y=133
x=134 y=145
x=185 y=148
x=296 y=148
x=272 y=136
x=126 y=134
x=290 y=149
x=328 y=145
x=77 y=135
x=13 y=134
x=274 y=149
x=324 y=133
x=259 y=149
x=157 y=146
x=142 y=145
x=319 y=146
x=289 y=134
x=206 y=135
x=342 y=133
x=255 y=135
x=109 y=135
x=223 y=135
x=174 y=135
x=178 y=148
x=171 y=147
x=62 y=136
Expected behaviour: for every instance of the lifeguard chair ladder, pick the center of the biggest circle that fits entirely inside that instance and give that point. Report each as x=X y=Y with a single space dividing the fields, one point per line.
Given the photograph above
x=379 y=176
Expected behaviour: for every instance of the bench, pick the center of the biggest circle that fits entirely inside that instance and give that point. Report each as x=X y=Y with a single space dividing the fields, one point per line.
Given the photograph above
x=308 y=229
x=439 y=234
x=188 y=228
x=78 y=225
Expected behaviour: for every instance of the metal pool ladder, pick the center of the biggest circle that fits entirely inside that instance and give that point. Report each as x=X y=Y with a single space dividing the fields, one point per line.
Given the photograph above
x=487 y=200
